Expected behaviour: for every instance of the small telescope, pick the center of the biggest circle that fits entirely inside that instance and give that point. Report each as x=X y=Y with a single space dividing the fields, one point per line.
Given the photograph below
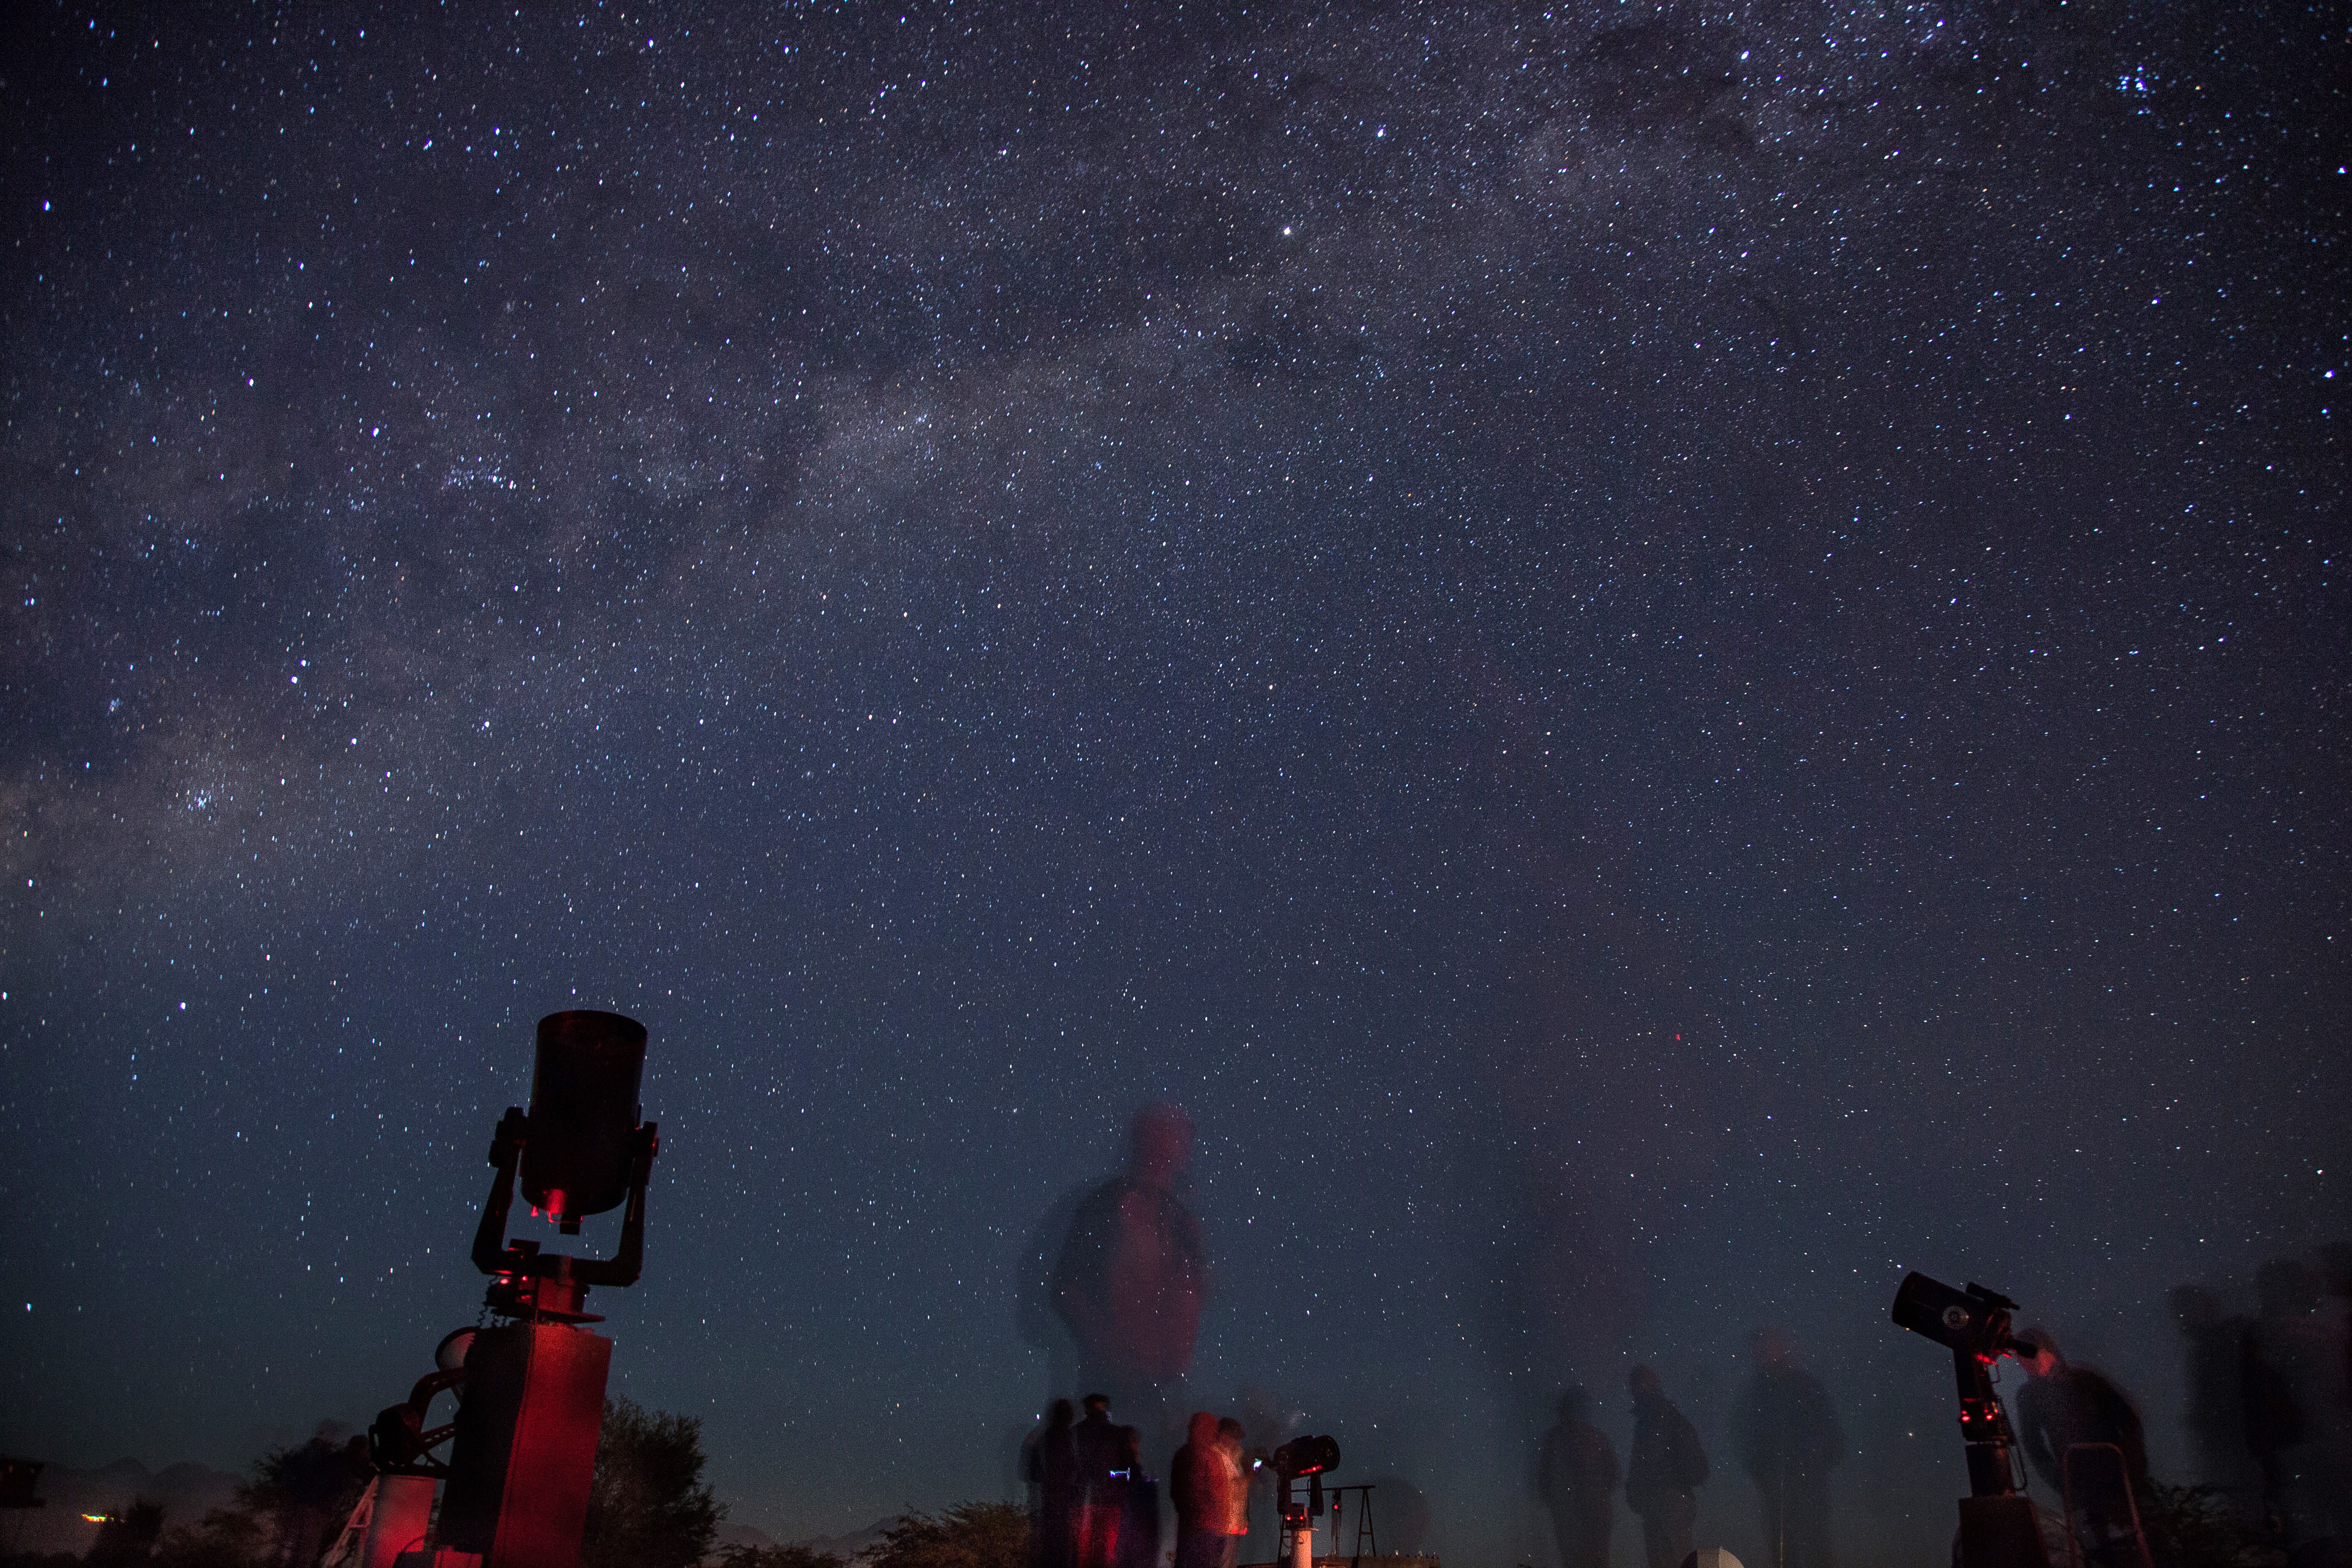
x=1998 y=1527
x=1303 y=1458
x=1306 y=1456
x=1974 y=1319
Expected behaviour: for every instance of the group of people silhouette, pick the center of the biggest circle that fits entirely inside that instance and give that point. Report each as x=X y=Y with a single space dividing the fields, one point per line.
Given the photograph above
x=1092 y=1505
x=1087 y=1492
x=1783 y=1427
x=2267 y=1419
x=2269 y=1412
x=1118 y=1274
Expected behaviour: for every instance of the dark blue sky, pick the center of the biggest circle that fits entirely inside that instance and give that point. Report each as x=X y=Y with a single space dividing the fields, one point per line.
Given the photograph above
x=1664 y=660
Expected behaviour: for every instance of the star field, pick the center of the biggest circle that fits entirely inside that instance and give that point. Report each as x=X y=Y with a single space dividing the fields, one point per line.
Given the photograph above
x=1662 y=659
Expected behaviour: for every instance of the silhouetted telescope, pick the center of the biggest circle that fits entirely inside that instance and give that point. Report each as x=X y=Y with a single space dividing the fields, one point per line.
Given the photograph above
x=523 y=1447
x=581 y=1145
x=1974 y=1320
x=581 y=1150
x=1306 y=1456
x=1302 y=1459
x=1998 y=1527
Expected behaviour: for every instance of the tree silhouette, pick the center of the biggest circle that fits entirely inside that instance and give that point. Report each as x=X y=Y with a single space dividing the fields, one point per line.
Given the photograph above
x=969 y=1535
x=224 y=1538
x=128 y=1536
x=648 y=1507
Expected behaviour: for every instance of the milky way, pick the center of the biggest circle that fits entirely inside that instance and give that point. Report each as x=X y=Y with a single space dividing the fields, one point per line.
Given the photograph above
x=1661 y=660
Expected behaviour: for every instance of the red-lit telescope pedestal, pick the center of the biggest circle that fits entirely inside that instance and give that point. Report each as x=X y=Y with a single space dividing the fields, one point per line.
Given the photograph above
x=526 y=1444
x=530 y=1389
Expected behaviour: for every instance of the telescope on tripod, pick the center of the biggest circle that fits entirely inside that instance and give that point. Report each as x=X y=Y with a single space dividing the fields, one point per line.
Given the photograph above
x=1997 y=1526
x=530 y=1389
x=1301 y=1458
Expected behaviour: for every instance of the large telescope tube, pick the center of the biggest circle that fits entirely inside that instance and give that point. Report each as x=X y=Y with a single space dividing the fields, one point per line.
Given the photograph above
x=583 y=1114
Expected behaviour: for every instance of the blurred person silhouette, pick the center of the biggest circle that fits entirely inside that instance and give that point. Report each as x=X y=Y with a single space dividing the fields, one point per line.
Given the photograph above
x=1049 y=1463
x=2276 y=1375
x=2212 y=1344
x=1788 y=1437
x=1133 y=1273
x=2334 y=1261
x=1103 y=1454
x=2063 y=1407
x=2332 y=1459
x=1201 y=1480
x=2296 y=1387
x=1232 y=1439
x=1138 y=1509
x=1576 y=1476
x=1664 y=1472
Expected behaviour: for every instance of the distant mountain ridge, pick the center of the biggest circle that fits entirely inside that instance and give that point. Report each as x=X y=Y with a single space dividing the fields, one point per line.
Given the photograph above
x=849 y=1547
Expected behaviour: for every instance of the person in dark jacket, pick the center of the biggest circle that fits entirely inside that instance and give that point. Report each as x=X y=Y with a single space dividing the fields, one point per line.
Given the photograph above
x=2077 y=1425
x=1664 y=1473
x=2063 y=1405
x=1049 y=1463
x=1788 y=1437
x=2213 y=1343
x=2287 y=1387
x=1576 y=1476
x=1200 y=1481
x=1102 y=1453
x=1138 y=1509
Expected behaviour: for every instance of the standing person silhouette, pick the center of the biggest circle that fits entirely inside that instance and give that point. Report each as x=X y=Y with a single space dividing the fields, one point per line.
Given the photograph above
x=1103 y=1454
x=2212 y=1345
x=2331 y=1393
x=1576 y=1476
x=1138 y=1509
x=2271 y=1379
x=1049 y=1463
x=1231 y=1437
x=1664 y=1473
x=1200 y=1484
x=1132 y=1276
x=2293 y=1388
x=1788 y=1437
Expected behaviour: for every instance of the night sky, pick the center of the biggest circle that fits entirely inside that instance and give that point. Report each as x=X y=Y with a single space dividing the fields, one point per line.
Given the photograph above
x=1663 y=660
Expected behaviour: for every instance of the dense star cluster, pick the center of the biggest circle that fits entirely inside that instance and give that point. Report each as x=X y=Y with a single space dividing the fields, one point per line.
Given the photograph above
x=1661 y=659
